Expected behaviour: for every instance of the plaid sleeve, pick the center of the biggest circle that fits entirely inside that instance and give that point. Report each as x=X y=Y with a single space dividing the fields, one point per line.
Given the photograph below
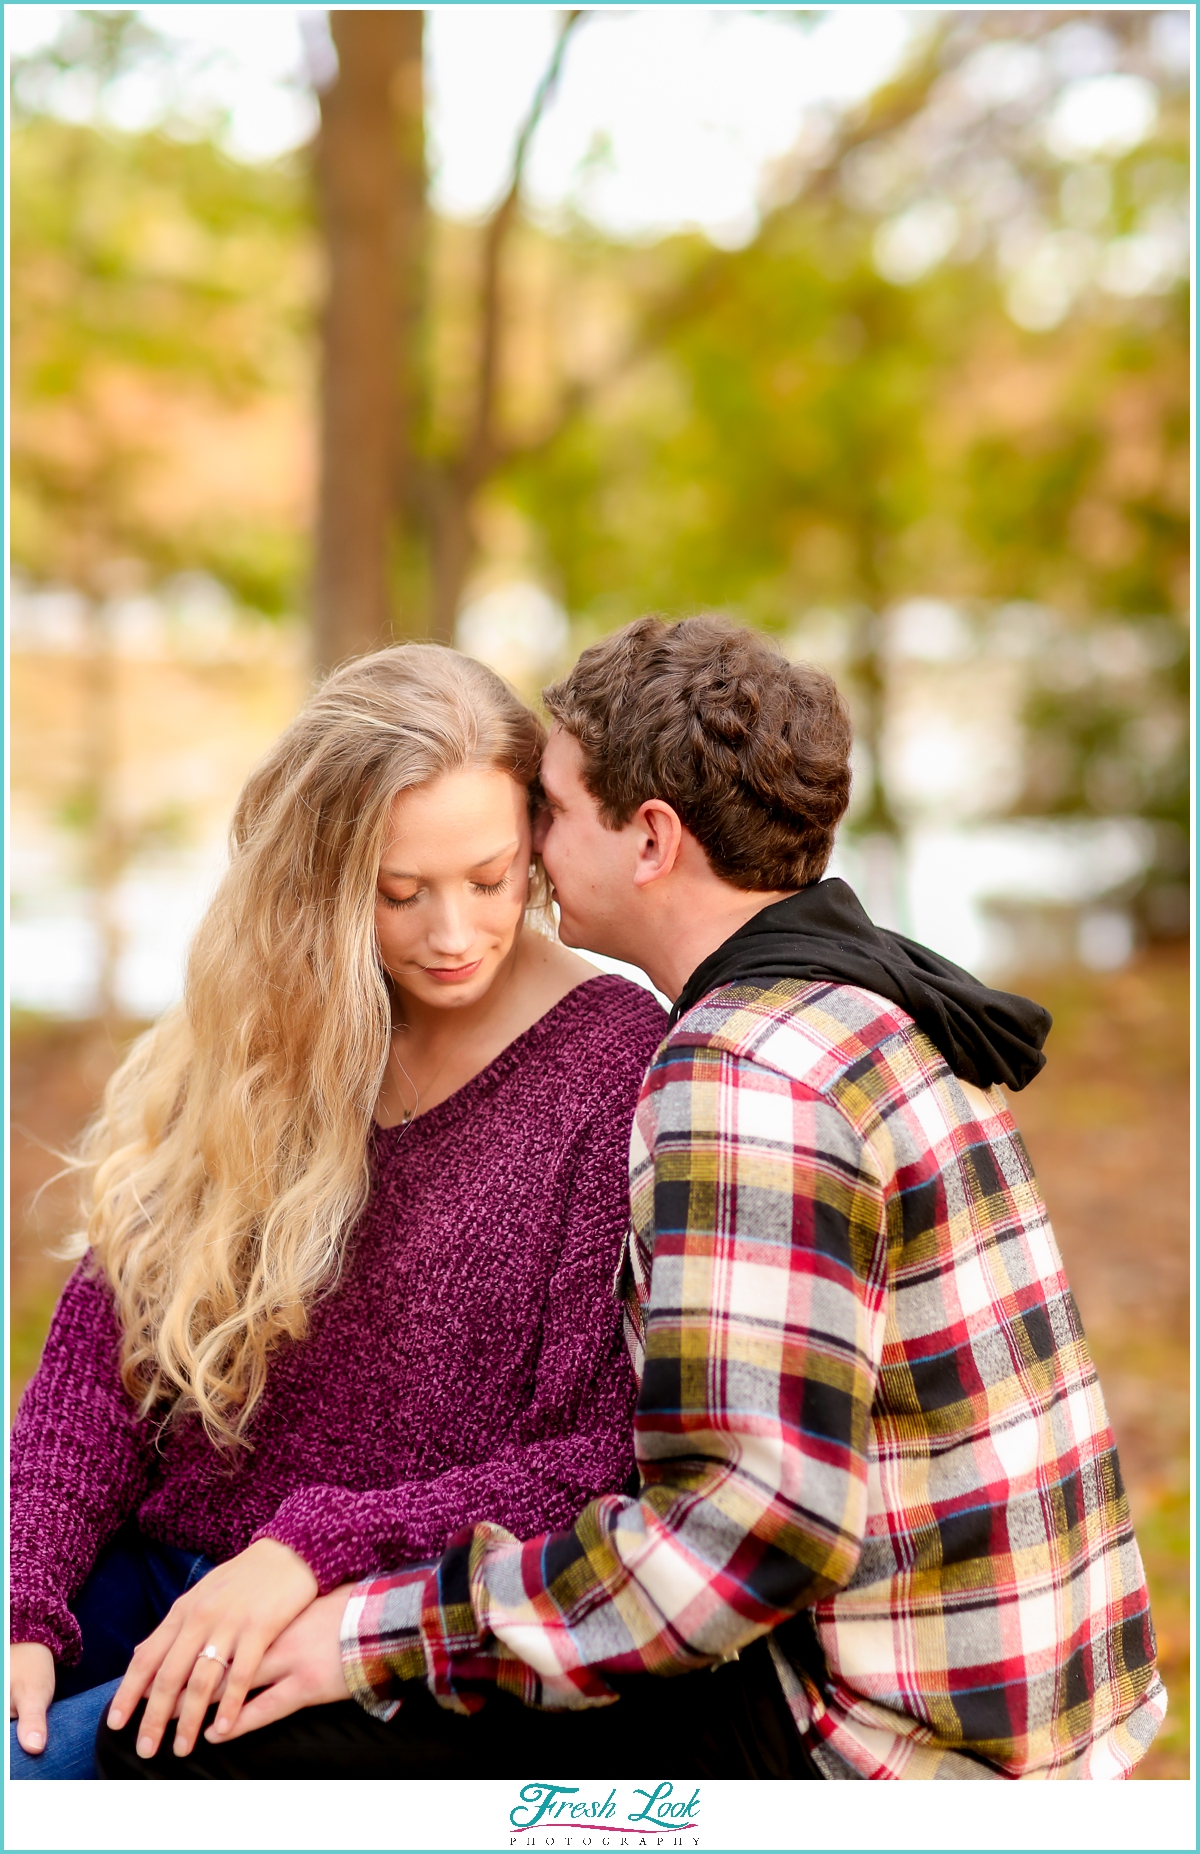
x=380 y=1616
x=763 y=1336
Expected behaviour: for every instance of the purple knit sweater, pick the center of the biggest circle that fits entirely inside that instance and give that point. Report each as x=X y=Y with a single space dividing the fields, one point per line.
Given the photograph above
x=469 y=1365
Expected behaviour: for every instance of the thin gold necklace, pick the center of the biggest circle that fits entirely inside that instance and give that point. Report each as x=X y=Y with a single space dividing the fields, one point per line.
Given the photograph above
x=409 y=1114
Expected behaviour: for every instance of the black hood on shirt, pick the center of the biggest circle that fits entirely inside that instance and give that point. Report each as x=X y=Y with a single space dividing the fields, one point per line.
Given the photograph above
x=823 y=933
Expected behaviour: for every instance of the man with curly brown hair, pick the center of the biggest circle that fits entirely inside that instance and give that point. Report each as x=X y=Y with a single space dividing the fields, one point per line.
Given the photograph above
x=873 y=1452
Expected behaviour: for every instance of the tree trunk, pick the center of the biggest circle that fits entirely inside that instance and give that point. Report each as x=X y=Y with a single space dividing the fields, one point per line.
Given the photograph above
x=877 y=829
x=370 y=173
x=451 y=549
x=410 y=367
x=869 y=673
x=450 y=488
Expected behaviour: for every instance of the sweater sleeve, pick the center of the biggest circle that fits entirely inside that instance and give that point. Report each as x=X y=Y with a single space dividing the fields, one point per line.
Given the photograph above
x=573 y=1442
x=80 y=1458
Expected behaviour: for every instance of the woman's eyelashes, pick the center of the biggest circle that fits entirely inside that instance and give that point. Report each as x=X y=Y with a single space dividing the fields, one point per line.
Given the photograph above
x=481 y=888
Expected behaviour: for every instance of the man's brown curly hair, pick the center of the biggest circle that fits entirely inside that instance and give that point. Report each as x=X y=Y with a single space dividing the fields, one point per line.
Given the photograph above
x=752 y=751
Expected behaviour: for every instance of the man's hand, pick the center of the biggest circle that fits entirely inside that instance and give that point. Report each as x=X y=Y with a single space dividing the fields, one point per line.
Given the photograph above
x=30 y=1690
x=303 y=1667
x=240 y=1609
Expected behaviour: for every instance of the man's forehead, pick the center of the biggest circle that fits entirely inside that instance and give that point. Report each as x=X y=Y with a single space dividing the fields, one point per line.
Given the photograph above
x=561 y=760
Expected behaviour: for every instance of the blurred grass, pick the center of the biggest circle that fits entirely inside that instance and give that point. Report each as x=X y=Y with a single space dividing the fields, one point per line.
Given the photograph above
x=57 y=1072
x=1108 y=1128
x=1163 y=1534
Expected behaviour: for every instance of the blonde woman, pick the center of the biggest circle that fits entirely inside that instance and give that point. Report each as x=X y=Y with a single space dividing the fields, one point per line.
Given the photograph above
x=356 y=1207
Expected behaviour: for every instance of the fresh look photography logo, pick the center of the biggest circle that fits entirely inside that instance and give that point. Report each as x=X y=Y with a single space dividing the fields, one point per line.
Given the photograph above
x=566 y=1815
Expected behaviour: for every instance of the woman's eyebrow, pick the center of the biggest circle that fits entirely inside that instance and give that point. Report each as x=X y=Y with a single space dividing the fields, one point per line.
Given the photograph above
x=506 y=849
x=408 y=875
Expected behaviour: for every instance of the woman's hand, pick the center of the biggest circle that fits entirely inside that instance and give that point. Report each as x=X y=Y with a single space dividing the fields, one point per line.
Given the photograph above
x=303 y=1667
x=30 y=1690
x=239 y=1609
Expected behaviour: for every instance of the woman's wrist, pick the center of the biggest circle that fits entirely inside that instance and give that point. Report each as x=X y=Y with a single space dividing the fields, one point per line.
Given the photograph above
x=61 y=1642
x=286 y=1562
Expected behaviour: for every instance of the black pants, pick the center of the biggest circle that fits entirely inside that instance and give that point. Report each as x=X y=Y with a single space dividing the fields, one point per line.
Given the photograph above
x=729 y=1722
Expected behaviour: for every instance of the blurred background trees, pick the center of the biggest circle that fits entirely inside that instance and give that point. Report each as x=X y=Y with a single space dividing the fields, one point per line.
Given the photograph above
x=949 y=361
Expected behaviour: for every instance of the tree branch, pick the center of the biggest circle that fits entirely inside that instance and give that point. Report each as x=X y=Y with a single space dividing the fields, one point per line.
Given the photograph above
x=478 y=456
x=669 y=313
x=886 y=113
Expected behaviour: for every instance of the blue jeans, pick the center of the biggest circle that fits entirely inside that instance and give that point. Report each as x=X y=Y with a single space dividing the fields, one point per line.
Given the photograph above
x=133 y=1585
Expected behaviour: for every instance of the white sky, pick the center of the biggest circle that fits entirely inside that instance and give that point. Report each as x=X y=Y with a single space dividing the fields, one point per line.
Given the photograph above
x=689 y=101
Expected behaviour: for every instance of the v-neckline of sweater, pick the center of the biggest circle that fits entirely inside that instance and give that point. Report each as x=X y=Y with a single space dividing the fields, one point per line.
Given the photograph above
x=505 y=1059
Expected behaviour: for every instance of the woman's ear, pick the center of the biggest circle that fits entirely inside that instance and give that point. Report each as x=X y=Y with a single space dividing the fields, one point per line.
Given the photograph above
x=659 y=837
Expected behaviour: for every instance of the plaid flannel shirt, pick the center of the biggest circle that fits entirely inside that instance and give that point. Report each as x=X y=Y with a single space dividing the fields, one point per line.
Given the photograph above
x=865 y=1391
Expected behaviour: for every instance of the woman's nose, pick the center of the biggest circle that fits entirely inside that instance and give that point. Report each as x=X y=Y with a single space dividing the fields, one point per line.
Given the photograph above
x=451 y=932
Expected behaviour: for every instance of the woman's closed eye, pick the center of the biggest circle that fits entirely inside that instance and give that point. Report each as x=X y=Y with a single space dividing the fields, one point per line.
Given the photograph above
x=481 y=888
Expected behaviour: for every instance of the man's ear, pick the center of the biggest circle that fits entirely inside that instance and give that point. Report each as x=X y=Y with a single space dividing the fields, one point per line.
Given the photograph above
x=659 y=837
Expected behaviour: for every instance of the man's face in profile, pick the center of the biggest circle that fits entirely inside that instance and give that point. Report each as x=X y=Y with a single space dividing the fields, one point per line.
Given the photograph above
x=590 y=867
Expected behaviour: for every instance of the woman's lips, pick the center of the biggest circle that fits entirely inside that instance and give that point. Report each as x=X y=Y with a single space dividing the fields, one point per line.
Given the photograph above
x=452 y=975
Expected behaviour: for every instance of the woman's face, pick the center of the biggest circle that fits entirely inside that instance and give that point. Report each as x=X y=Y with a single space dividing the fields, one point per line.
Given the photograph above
x=453 y=882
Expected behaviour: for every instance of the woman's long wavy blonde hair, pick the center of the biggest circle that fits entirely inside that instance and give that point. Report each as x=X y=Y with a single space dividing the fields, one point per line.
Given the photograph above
x=229 y=1158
